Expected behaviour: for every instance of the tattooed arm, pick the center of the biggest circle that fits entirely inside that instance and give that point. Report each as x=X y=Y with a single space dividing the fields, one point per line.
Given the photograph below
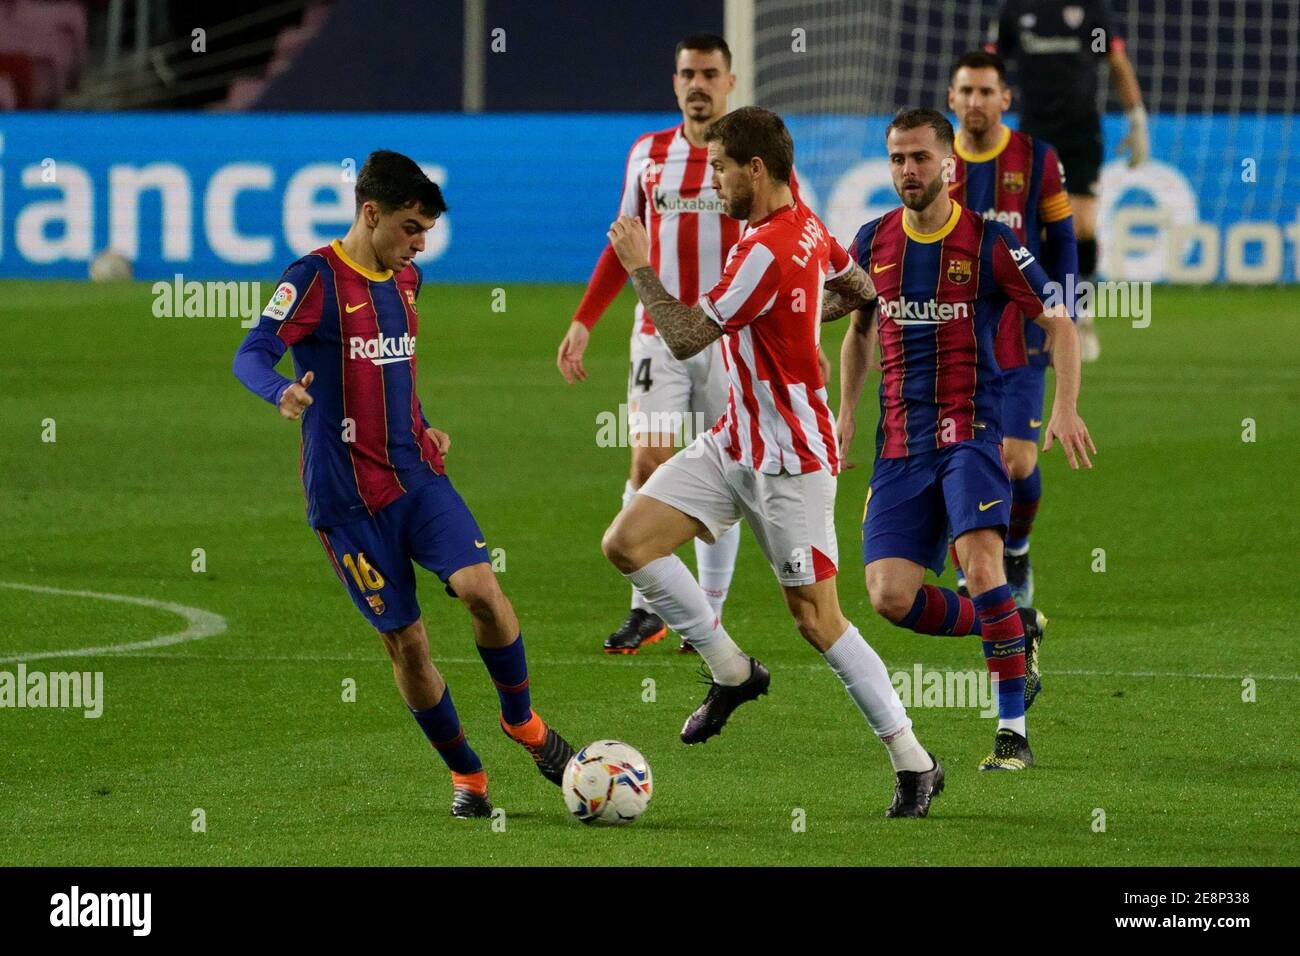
x=685 y=329
x=845 y=293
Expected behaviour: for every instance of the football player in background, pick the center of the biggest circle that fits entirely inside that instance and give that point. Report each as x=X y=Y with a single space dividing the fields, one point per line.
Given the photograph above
x=378 y=496
x=1056 y=46
x=667 y=185
x=1016 y=179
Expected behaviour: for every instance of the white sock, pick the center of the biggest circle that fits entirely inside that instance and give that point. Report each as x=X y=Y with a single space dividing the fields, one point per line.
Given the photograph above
x=716 y=563
x=863 y=674
x=1016 y=552
x=906 y=752
x=638 y=599
x=675 y=595
x=1015 y=723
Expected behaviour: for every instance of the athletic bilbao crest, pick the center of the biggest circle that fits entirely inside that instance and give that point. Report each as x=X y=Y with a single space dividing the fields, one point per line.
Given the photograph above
x=1073 y=17
x=376 y=603
x=959 y=271
x=1013 y=181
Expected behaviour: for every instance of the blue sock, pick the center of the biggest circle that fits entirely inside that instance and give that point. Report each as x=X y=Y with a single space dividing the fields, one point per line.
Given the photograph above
x=1003 y=641
x=941 y=611
x=509 y=671
x=441 y=725
x=1025 y=493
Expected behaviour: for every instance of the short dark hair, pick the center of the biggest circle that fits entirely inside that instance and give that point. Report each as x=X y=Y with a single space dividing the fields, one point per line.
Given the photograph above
x=980 y=60
x=395 y=181
x=915 y=118
x=753 y=131
x=705 y=43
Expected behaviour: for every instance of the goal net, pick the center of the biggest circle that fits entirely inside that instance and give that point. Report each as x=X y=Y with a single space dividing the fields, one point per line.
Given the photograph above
x=1219 y=78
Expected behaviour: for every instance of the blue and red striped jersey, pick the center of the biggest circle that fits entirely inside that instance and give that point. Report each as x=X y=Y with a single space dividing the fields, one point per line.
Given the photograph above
x=364 y=438
x=1019 y=182
x=940 y=297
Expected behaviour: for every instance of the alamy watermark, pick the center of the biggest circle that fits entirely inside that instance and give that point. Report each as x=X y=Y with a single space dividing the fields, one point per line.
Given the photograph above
x=76 y=690
x=1102 y=300
x=656 y=429
x=181 y=299
x=929 y=688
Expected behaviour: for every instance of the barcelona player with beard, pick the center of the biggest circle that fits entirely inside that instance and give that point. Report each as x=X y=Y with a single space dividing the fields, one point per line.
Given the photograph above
x=378 y=496
x=943 y=276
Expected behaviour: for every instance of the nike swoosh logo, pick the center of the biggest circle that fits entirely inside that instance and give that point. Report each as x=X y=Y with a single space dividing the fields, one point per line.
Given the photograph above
x=479 y=544
x=986 y=507
x=877 y=268
x=1035 y=422
x=349 y=309
x=1007 y=646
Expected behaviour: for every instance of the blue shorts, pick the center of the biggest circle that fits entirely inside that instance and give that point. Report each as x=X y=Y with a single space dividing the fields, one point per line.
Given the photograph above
x=431 y=526
x=912 y=502
x=1023 y=389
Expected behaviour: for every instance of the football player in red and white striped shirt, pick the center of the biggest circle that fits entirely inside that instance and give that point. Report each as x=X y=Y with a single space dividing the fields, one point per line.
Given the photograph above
x=667 y=186
x=772 y=458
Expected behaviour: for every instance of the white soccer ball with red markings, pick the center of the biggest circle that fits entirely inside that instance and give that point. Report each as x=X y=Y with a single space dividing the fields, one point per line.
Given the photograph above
x=607 y=783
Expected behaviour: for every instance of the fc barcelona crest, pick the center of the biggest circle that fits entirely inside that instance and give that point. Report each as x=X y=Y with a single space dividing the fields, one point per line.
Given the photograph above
x=959 y=271
x=376 y=603
x=410 y=300
x=1013 y=181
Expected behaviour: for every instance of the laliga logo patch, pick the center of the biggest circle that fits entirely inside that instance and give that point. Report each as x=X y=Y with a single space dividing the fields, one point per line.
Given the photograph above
x=959 y=271
x=281 y=301
x=1013 y=181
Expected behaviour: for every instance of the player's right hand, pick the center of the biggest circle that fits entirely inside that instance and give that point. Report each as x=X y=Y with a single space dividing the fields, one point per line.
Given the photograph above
x=295 y=399
x=845 y=426
x=569 y=358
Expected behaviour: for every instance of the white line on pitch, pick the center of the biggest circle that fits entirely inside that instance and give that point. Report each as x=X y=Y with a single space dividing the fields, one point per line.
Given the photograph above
x=201 y=624
x=651 y=662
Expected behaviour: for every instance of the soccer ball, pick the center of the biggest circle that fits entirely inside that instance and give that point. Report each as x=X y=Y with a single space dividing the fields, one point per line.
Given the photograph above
x=607 y=783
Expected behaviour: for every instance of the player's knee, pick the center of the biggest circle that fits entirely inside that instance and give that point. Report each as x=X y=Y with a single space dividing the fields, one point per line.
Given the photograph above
x=891 y=603
x=619 y=548
x=983 y=574
x=480 y=592
x=408 y=646
x=1021 y=461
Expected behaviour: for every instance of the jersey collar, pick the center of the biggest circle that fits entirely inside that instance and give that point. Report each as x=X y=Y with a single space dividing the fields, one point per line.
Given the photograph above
x=939 y=233
x=355 y=266
x=988 y=154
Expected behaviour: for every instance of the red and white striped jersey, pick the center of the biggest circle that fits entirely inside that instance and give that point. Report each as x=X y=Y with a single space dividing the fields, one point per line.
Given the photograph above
x=669 y=186
x=769 y=304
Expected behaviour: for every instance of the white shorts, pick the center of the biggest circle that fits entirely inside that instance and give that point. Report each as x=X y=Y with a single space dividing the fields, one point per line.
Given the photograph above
x=792 y=516
x=668 y=396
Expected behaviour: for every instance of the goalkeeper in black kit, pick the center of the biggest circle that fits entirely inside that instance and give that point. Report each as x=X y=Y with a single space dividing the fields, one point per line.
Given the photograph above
x=1057 y=46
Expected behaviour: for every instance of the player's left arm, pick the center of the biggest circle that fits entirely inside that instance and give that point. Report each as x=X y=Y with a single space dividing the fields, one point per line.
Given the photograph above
x=685 y=329
x=1122 y=76
x=849 y=288
x=1021 y=277
x=1060 y=248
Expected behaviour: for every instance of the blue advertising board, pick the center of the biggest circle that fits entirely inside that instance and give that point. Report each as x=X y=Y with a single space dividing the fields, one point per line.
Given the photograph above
x=233 y=196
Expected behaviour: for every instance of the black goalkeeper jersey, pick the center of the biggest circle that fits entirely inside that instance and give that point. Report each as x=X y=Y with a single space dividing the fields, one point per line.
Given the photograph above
x=1057 y=47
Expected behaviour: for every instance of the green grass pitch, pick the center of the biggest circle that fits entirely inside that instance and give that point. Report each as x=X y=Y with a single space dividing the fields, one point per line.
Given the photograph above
x=159 y=451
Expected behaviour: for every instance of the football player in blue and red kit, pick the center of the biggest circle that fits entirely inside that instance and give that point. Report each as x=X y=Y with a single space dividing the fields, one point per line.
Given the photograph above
x=1018 y=180
x=943 y=276
x=378 y=496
